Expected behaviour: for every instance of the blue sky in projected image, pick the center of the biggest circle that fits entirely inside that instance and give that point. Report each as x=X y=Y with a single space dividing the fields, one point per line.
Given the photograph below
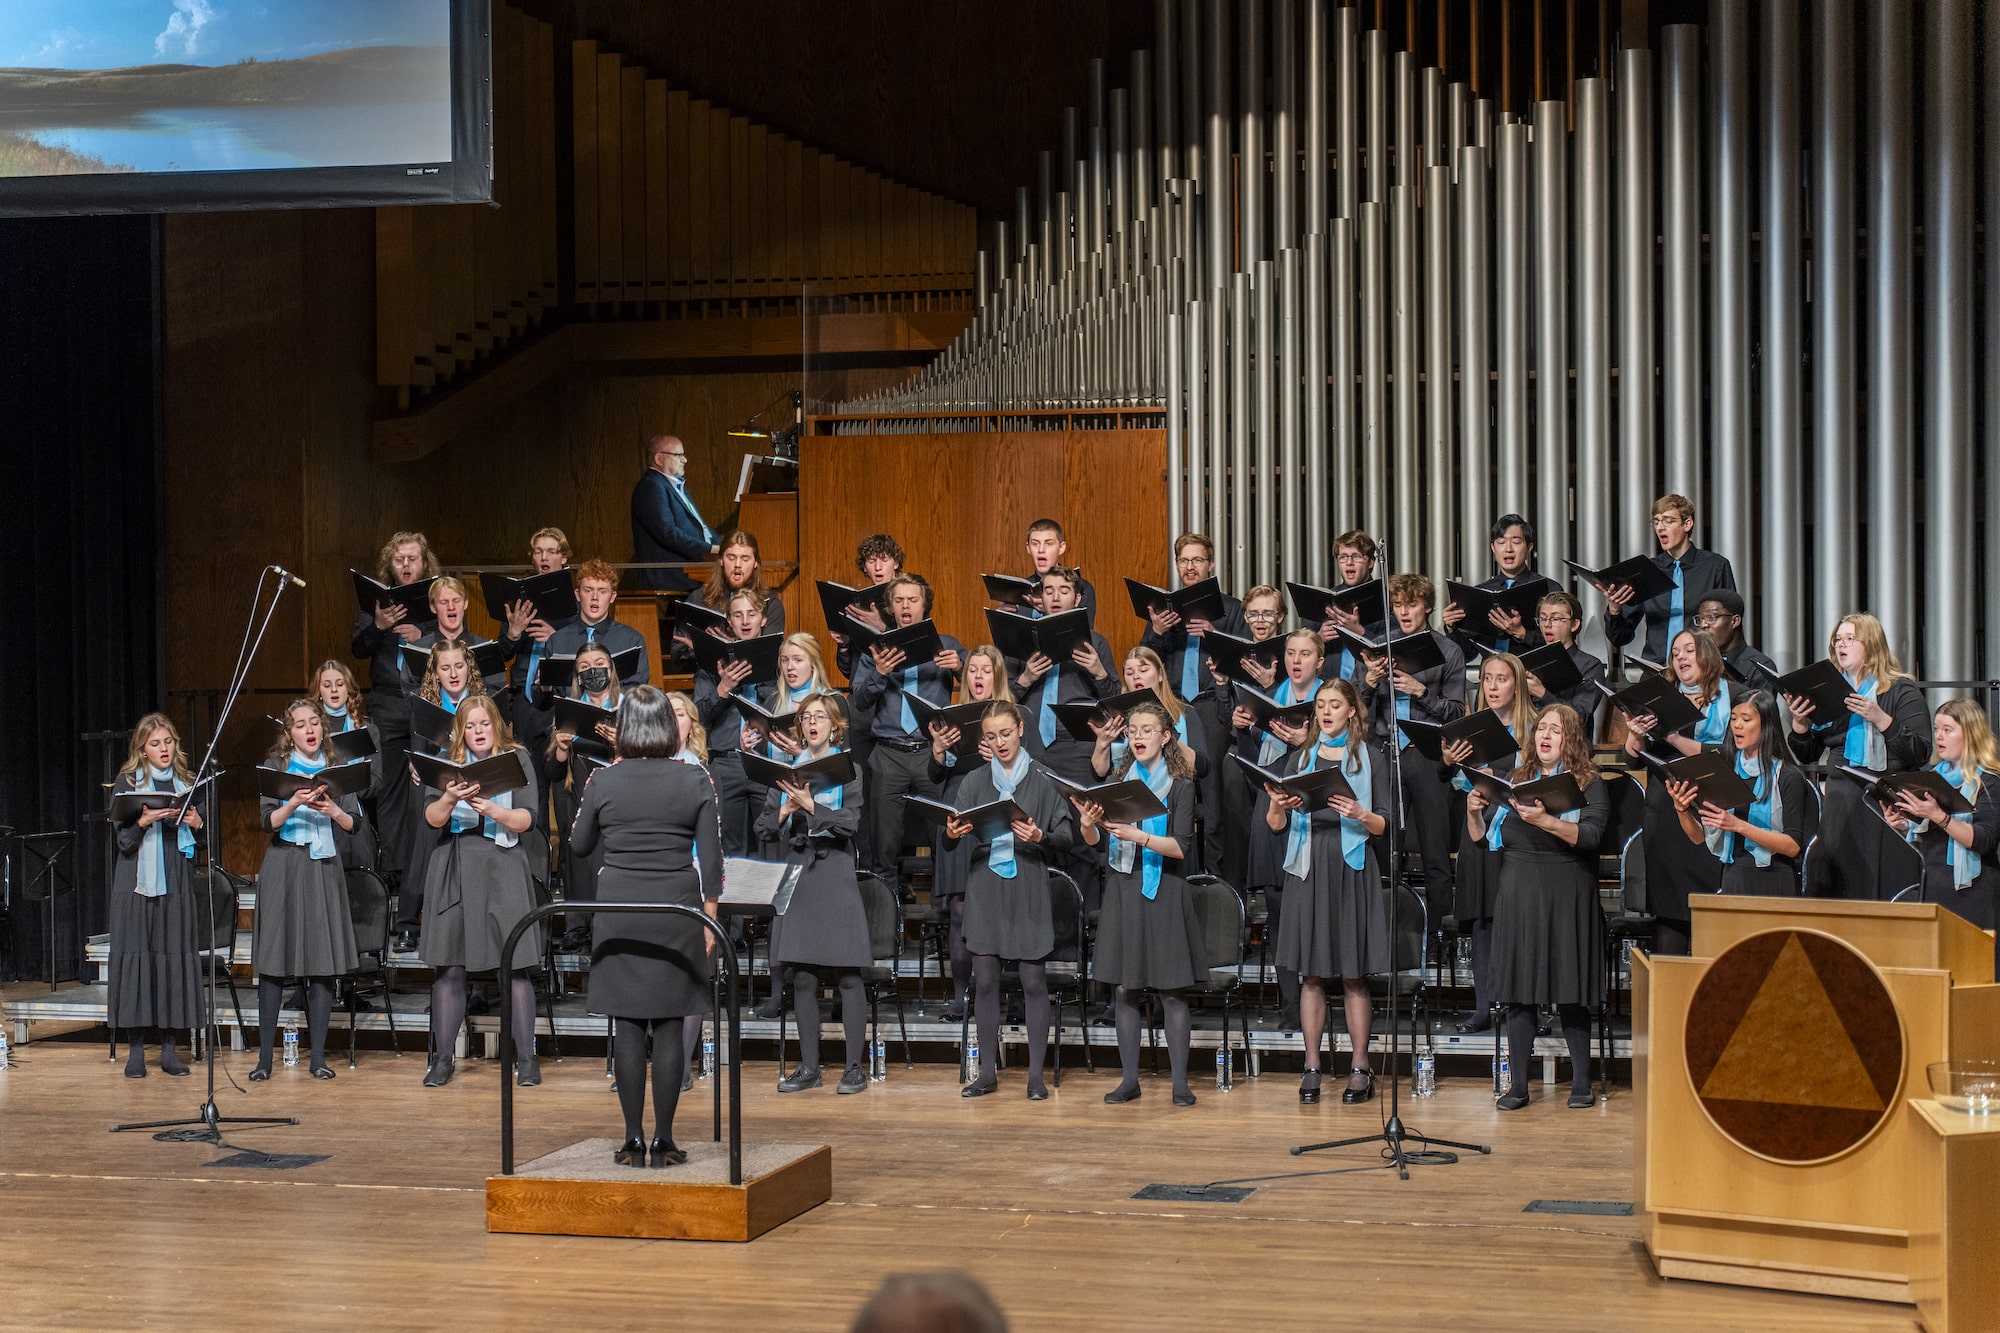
x=111 y=34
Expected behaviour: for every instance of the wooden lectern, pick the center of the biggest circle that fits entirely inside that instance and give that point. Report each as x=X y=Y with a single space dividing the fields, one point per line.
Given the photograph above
x=1774 y=1148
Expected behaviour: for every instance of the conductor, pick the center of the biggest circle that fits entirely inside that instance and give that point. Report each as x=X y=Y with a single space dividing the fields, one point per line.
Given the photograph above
x=666 y=526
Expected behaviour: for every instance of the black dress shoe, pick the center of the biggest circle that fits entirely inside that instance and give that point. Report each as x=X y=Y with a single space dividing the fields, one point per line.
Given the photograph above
x=853 y=1081
x=633 y=1153
x=527 y=1072
x=1038 y=1093
x=260 y=1074
x=687 y=1081
x=800 y=1079
x=953 y=1014
x=1124 y=1092
x=135 y=1071
x=1581 y=1101
x=1309 y=1088
x=440 y=1072
x=321 y=1071
x=770 y=1008
x=1184 y=1099
x=664 y=1154
x=1480 y=1022
x=1351 y=1094
x=978 y=1089
x=1513 y=1101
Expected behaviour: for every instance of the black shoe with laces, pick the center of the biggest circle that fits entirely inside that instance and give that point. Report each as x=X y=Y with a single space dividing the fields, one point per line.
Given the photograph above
x=853 y=1081
x=800 y=1079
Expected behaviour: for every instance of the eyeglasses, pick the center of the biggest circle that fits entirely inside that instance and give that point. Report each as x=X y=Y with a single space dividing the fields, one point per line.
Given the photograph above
x=1263 y=615
x=1553 y=618
x=1705 y=621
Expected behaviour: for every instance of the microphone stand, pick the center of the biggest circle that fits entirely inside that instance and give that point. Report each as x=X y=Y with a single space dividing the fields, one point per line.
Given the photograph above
x=1394 y=1133
x=209 y=777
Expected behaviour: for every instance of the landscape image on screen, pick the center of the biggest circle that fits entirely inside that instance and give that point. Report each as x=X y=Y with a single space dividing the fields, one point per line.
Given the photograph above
x=89 y=87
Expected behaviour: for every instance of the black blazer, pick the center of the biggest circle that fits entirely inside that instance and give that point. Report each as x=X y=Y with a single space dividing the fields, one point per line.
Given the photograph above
x=663 y=531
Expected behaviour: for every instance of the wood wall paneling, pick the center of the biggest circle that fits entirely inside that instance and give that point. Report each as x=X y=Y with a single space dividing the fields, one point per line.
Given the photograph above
x=583 y=130
x=961 y=505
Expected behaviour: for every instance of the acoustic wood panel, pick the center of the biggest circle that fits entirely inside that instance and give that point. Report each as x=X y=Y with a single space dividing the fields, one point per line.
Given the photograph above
x=961 y=505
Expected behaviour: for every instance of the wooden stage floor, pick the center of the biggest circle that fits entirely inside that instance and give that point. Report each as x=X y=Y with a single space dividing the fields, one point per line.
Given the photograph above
x=121 y=1231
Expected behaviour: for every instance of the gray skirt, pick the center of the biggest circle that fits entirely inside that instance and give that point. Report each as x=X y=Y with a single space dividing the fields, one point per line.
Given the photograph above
x=302 y=927
x=1336 y=920
x=155 y=971
x=1009 y=918
x=654 y=965
x=825 y=926
x=1148 y=943
x=475 y=892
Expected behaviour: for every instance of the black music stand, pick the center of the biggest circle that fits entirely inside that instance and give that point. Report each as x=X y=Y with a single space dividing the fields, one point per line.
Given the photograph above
x=1393 y=1132
x=41 y=883
x=207 y=779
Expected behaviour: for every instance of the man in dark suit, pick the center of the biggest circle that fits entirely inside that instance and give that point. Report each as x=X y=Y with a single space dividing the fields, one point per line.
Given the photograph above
x=1695 y=573
x=666 y=526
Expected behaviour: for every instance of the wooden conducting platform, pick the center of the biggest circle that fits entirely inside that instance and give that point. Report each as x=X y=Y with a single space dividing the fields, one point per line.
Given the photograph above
x=389 y=1230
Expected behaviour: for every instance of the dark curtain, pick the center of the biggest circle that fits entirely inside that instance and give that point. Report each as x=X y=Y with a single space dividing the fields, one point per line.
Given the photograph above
x=80 y=641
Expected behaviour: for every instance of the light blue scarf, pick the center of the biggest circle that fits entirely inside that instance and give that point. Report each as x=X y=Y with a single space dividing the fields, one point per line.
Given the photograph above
x=1964 y=862
x=792 y=696
x=153 y=848
x=1714 y=724
x=830 y=796
x=339 y=715
x=1272 y=748
x=1766 y=812
x=1160 y=784
x=1045 y=715
x=1191 y=667
x=307 y=827
x=1865 y=745
x=1502 y=810
x=1000 y=854
x=463 y=817
x=1353 y=834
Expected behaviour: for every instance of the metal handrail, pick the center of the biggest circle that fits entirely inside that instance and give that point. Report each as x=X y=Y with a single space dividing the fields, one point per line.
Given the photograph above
x=734 y=1049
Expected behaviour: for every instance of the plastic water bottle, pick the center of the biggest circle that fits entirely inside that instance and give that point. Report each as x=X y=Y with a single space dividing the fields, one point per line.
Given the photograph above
x=291 y=1046
x=971 y=1069
x=878 y=1060
x=1502 y=1076
x=3 y=1045
x=1222 y=1066
x=1424 y=1083
x=708 y=1055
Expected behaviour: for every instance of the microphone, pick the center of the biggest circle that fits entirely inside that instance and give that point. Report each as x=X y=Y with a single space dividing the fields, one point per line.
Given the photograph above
x=284 y=573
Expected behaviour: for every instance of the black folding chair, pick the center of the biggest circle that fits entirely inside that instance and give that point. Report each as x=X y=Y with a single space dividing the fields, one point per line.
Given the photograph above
x=368 y=909
x=885 y=945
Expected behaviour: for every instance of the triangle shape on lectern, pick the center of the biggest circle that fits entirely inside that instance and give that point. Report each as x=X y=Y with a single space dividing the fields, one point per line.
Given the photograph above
x=1791 y=1049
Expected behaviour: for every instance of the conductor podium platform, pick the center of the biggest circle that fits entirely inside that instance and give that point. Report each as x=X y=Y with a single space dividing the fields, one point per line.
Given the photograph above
x=1774 y=1146
x=580 y=1191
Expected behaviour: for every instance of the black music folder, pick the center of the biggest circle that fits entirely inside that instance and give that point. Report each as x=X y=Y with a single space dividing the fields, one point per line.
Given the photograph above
x=1485 y=729
x=1408 y=653
x=1021 y=637
x=1645 y=578
x=1674 y=711
x=1479 y=603
x=761 y=653
x=1197 y=601
x=963 y=716
x=127 y=805
x=1228 y=651
x=555 y=673
x=494 y=776
x=920 y=642
x=344 y=747
x=786 y=723
x=1886 y=787
x=580 y=718
x=1821 y=685
x=487 y=659
x=1128 y=801
x=553 y=594
x=694 y=616
x=830 y=770
x=1314 y=787
x=339 y=780
x=1008 y=590
x=1077 y=717
x=836 y=599
x=988 y=821
x=1314 y=604
x=1714 y=775
x=1552 y=665
x=414 y=598
x=1557 y=792
x=428 y=721
x=1267 y=709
